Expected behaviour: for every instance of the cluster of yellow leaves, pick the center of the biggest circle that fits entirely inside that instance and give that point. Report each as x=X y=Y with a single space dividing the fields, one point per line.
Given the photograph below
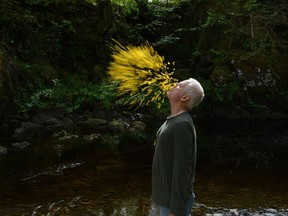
x=141 y=73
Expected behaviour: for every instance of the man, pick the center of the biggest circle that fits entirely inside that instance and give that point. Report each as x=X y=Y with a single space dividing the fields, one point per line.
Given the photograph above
x=173 y=169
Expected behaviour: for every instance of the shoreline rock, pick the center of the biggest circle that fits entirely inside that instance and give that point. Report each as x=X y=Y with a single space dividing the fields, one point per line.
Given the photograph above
x=221 y=211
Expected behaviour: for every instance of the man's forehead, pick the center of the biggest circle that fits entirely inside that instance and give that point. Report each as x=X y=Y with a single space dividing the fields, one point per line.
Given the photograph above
x=185 y=82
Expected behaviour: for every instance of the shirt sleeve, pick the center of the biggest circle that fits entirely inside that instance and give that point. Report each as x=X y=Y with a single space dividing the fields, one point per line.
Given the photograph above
x=182 y=162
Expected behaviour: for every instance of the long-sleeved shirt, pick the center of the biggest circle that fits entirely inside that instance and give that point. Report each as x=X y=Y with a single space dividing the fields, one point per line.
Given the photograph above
x=173 y=169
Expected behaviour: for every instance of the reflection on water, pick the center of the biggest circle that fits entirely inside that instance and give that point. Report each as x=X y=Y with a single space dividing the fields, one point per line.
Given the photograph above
x=54 y=171
x=114 y=187
x=105 y=183
x=94 y=187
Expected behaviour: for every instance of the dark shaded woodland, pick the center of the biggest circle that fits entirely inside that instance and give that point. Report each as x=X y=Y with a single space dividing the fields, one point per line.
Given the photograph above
x=54 y=53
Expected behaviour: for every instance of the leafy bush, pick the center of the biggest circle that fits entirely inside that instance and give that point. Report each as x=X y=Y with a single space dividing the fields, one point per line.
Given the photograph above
x=70 y=94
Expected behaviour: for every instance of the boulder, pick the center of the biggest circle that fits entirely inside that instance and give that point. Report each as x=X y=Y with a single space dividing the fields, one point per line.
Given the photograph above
x=137 y=126
x=118 y=125
x=48 y=117
x=20 y=145
x=26 y=129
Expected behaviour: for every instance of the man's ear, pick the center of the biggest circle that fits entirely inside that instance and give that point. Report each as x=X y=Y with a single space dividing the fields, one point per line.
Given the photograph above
x=185 y=98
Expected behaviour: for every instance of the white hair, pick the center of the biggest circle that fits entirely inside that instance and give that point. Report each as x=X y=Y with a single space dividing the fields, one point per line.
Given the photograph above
x=195 y=92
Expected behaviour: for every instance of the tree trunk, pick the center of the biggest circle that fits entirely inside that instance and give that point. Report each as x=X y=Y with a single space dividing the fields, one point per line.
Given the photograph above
x=142 y=7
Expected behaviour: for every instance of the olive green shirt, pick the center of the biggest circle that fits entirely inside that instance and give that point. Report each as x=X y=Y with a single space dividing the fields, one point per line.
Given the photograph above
x=173 y=169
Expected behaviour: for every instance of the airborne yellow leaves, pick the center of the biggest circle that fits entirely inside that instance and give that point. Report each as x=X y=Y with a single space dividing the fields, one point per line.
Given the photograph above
x=141 y=73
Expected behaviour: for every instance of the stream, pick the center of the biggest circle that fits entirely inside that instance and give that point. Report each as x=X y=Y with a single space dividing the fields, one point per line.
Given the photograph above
x=240 y=166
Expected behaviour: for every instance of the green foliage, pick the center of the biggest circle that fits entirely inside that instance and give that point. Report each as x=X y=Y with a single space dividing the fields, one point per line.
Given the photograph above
x=57 y=43
x=254 y=106
x=228 y=94
x=47 y=2
x=39 y=2
x=70 y=94
x=242 y=25
x=129 y=6
x=154 y=25
x=57 y=31
x=213 y=18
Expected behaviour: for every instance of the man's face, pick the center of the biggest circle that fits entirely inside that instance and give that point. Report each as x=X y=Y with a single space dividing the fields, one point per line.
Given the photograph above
x=178 y=91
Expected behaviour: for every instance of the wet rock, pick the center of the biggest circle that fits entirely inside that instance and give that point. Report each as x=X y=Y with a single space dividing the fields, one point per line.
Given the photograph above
x=215 y=214
x=234 y=212
x=48 y=117
x=3 y=151
x=61 y=133
x=243 y=212
x=93 y=123
x=20 y=145
x=26 y=129
x=49 y=122
x=118 y=125
x=270 y=210
x=137 y=126
x=64 y=135
x=69 y=136
x=56 y=125
x=200 y=205
x=240 y=212
x=91 y=137
x=52 y=121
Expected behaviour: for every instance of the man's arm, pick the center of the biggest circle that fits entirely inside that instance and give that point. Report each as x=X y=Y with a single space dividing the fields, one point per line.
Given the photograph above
x=183 y=147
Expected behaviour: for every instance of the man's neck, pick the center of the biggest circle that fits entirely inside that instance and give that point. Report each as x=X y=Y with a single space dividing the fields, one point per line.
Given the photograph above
x=176 y=111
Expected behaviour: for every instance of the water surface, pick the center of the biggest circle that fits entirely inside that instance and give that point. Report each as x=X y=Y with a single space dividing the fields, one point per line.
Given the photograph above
x=236 y=169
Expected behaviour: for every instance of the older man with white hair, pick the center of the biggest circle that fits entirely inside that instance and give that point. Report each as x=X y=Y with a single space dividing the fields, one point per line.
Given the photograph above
x=174 y=162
